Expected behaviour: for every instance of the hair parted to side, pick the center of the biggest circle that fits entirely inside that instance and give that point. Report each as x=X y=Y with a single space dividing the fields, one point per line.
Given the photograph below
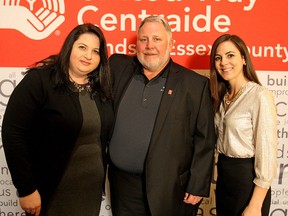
x=217 y=84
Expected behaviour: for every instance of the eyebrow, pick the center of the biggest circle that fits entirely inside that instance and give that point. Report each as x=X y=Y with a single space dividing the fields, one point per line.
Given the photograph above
x=229 y=52
x=81 y=43
x=226 y=53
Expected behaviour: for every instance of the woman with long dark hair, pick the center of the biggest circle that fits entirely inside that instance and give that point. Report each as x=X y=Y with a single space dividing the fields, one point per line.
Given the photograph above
x=245 y=119
x=56 y=127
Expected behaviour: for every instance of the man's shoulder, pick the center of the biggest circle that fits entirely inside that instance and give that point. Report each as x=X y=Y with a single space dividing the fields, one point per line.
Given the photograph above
x=188 y=72
x=116 y=57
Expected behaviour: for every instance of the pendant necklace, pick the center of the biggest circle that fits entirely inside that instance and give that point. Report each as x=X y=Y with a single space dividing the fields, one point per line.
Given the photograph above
x=228 y=101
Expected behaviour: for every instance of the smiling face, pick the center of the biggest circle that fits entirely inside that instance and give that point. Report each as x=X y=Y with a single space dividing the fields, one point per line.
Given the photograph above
x=84 y=57
x=154 y=45
x=229 y=62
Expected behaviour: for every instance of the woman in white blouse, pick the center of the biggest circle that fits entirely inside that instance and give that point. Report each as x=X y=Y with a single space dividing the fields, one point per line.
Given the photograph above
x=245 y=122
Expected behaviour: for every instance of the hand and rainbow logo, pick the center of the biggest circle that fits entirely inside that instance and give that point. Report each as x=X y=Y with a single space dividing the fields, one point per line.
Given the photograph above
x=35 y=19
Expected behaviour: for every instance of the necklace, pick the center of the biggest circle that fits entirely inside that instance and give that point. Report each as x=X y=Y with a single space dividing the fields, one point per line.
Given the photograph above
x=228 y=101
x=81 y=87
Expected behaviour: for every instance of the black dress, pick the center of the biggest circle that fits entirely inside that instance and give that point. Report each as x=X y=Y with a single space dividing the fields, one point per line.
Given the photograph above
x=80 y=189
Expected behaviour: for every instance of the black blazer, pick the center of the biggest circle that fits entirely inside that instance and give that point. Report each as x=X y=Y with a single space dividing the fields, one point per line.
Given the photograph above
x=181 y=151
x=39 y=130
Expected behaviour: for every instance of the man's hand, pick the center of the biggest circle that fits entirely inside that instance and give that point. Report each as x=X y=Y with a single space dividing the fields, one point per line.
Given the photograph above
x=191 y=199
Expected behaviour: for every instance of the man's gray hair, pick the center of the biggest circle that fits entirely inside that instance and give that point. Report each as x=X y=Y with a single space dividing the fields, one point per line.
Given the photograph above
x=159 y=19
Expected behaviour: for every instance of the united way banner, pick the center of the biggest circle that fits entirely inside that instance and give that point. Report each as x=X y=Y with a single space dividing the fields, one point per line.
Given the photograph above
x=32 y=30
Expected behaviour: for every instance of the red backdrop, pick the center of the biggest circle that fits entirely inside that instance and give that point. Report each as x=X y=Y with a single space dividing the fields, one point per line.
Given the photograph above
x=195 y=23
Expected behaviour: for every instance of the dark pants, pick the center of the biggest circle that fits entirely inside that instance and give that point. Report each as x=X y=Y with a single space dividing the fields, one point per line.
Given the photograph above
x=235 y=186
x=128 y=196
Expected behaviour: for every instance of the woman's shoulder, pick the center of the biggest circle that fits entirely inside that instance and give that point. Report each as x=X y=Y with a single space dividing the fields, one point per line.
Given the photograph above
x=38 y=71
x=257 y=88
x=38 y=74
x=261 y=92
x=36 y=79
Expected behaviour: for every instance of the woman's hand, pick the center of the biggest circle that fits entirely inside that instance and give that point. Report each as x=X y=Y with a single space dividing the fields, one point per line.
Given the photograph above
x=252 y=210
x=31 y=203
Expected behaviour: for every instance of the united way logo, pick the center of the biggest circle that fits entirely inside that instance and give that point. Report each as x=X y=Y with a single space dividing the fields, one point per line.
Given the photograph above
x=36 y=19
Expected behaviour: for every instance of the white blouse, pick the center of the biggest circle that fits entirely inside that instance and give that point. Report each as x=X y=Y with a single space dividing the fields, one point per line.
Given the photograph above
x=249 y=129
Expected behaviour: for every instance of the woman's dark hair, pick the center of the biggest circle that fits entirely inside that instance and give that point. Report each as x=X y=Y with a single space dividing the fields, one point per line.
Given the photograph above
x=100 y=78
x=218 y=85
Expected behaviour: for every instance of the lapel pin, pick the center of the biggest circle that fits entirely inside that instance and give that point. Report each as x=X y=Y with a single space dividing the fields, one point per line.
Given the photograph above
x=170 y=92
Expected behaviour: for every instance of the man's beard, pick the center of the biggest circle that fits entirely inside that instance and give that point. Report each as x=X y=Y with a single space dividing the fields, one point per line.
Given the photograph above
x=156 y=63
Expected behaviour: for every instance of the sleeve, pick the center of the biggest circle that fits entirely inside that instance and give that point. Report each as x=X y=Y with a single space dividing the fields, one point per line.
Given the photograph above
x=204 y=147
x=18 y=118
x=266 y=141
